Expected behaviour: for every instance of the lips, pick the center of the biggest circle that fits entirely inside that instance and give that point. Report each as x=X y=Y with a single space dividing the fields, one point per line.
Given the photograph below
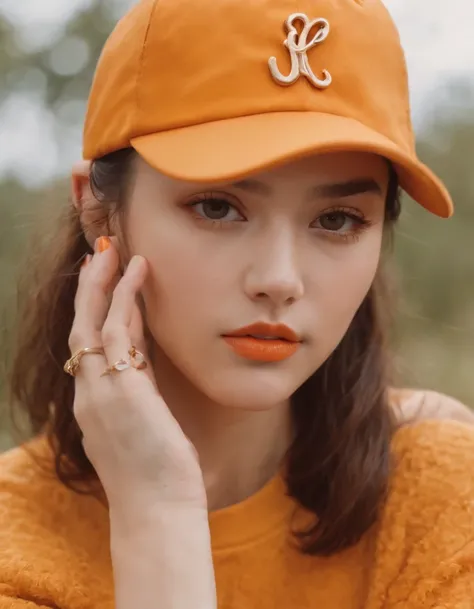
x=264 y=342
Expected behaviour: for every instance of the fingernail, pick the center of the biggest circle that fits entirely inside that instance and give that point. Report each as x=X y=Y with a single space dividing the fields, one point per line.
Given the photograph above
x=102 y=244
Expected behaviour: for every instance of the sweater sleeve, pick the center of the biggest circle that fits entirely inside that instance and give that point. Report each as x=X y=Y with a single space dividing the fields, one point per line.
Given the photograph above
x=54 y=544
x=8 y=600
x=431 y=560
x=451 y=585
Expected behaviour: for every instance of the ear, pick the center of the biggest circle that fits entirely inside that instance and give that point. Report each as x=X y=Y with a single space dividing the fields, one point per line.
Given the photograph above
x=80 y=184
x=93 y=214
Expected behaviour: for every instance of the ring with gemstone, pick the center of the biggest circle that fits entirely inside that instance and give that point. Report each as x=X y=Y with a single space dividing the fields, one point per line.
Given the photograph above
x=137 y=361
x=137 y=358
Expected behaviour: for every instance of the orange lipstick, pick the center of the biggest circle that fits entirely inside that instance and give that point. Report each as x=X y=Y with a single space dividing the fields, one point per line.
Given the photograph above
x=262 y=342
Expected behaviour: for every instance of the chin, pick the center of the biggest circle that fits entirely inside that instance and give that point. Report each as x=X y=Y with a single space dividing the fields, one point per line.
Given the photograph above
x=257 y=388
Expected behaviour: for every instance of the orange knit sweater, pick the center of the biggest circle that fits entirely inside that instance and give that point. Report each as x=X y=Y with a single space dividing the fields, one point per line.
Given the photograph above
x=54 y=544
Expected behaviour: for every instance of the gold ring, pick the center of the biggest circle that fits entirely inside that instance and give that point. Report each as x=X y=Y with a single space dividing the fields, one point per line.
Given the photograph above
x=72 y=364
x=137 y=361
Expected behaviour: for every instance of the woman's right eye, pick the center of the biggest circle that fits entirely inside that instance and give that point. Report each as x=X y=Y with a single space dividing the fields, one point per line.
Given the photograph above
x=215 y=209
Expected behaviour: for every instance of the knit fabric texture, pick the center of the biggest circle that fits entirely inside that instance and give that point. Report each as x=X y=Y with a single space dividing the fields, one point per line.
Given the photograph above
x=54 y=543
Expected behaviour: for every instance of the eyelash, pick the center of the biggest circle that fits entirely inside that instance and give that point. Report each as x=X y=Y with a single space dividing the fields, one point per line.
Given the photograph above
x=211 y=197
x=361 y=224
x=360 y=221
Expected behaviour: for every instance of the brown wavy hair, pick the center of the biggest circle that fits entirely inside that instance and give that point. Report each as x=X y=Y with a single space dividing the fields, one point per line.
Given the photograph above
x=339 y=463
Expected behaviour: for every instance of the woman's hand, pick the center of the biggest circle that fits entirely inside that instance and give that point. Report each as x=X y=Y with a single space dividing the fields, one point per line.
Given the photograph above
x=136 y=446
x=159 y=530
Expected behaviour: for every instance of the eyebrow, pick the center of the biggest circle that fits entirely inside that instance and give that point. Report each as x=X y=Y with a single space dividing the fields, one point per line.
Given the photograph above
x=338 y=190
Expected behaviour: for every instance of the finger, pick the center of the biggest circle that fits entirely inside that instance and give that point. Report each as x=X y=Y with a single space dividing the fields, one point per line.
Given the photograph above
x=92 y=303
x=100 y=273
x=117 y=337
x=139 y=338
x=83 y=271
x=137 y=326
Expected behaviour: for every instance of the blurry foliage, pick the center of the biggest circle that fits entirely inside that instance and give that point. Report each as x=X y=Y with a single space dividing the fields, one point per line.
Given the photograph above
x=436 y=262
x=435 y=330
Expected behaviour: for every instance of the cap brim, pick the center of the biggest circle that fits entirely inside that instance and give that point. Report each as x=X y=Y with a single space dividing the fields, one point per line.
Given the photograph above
x=235 y=148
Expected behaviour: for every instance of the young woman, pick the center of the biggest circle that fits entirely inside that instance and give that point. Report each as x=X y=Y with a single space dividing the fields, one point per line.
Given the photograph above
x=224 y=432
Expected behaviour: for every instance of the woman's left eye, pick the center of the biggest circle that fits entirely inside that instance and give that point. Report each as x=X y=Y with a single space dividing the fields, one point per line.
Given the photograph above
x=216 y=209
x=339 y=222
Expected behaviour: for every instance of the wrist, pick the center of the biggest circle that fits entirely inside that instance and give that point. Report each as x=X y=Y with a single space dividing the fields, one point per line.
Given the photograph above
x=145 y=513
x=154 y=551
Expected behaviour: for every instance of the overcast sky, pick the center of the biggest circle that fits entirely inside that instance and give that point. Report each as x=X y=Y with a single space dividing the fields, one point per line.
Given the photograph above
x=437 y=36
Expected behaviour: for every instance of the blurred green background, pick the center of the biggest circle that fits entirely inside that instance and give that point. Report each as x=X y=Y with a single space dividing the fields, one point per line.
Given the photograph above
x=434 y=336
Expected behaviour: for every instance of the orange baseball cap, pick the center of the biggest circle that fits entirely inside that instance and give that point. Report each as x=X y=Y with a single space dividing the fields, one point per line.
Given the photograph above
x=214 y=90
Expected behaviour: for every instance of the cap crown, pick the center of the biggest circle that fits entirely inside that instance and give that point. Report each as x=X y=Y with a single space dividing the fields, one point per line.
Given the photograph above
x=175 y=63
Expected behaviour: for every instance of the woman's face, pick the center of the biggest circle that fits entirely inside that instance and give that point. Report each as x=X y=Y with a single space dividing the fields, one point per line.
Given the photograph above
x=297 y=245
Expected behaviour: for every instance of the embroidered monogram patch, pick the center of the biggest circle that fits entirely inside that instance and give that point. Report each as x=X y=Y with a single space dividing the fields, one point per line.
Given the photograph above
x=298 y=45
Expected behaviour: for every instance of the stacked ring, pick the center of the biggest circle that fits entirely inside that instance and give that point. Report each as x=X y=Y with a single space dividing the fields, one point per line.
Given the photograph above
x=73 y=363
x=137 y=361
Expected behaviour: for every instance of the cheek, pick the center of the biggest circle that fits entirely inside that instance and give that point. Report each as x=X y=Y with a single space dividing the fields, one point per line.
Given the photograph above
x=343 y=282
x=185 y=279
x=174 y=283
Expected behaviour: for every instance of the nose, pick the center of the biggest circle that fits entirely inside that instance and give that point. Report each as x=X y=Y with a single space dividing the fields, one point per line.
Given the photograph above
x=274 y=275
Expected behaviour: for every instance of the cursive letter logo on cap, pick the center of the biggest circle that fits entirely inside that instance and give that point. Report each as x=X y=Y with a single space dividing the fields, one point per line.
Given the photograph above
x=298 y=45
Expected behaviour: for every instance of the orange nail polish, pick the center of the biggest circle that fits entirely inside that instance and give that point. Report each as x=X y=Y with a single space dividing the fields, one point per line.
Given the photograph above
x=102 y=244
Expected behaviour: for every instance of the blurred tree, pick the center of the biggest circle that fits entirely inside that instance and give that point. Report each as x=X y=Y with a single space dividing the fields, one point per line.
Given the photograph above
x=18 y=67
x=436 y=260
